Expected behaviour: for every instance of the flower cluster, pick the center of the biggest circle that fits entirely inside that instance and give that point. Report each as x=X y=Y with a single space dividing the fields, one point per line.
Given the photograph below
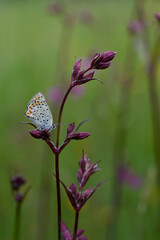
x=76 y=196
x=16 y=182
x=67 y=235
x=85 y=170
x=99 y=61
x=73 y=134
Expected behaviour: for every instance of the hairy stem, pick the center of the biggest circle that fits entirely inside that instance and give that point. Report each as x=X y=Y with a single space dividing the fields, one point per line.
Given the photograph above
x=76 y=225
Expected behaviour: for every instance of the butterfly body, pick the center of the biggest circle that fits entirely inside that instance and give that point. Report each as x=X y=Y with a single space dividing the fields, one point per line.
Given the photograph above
x=39 y=113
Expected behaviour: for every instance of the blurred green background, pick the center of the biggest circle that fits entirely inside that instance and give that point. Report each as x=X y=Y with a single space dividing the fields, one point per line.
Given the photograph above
x=32 y=60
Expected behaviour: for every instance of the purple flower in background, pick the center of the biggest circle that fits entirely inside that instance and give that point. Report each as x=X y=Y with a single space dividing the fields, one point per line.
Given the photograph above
x=157 y=16
x=127 y=175
x=17 y=181
x=78 y=91
x=55 y=94
x=55 y=8
x=135 y=27
x=67 y=235
x=86 y=17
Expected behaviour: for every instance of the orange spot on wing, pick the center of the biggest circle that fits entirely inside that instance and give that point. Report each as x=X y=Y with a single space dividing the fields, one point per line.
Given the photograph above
x=28 y=113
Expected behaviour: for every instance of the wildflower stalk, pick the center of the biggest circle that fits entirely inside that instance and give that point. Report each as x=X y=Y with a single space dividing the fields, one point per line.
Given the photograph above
x=76 y=225
x=57 y=163
x=155 y=108
x=100 y=61
x=16 y=233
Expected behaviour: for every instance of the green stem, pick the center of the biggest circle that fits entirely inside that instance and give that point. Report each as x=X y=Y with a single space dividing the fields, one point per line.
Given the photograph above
x=16 y=233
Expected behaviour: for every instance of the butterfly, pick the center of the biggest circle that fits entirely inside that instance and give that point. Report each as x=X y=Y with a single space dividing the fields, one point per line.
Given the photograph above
x=39 y=113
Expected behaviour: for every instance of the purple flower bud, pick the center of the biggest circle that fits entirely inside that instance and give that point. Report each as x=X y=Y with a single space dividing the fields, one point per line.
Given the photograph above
x=67 y=235
x=87 y=193
x=82 y=238
x=17 y=181
x=108 y=56
x=80 y=75
x=19 y=197
x=70 y=128
x=76 y=68
x=97 y=58
x=89 y=75
x=40 y=134
x=80 y=232
x=102 y=65
x=73 y=188
x=102 y=61
x=157 y=16
x=66 y=232
x=85 y=171
x=77 y=198
x=79 y=136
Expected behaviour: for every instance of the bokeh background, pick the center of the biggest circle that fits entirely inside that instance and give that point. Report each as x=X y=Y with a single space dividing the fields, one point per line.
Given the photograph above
x=38 y=46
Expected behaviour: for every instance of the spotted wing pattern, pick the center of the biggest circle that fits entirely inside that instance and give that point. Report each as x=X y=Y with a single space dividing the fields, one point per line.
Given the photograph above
x=39 y=112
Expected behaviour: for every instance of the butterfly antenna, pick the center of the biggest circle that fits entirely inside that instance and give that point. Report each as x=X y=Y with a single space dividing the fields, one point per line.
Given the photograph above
x=62 y=123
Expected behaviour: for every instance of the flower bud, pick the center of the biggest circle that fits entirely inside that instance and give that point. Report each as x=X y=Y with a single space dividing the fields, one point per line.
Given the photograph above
x=17 y=181
x=76 y=68
x=70 y=128
x=102 y=61
x=40 y=134
x=19 y=197
x=79 y=136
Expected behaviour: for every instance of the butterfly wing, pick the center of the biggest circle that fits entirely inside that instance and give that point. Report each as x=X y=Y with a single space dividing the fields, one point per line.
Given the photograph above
x=39 y=112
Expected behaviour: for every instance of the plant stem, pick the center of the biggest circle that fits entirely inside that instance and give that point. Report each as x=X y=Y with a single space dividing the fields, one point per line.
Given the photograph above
x=57 y=164
x=60 y=115
x=76 y=225
x=16 y=233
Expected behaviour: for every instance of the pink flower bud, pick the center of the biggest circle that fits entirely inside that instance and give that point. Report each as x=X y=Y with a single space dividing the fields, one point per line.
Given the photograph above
x=70 y=128
x=39 y=134
x=76 y=68
x=102 y=61
x=79 y=136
